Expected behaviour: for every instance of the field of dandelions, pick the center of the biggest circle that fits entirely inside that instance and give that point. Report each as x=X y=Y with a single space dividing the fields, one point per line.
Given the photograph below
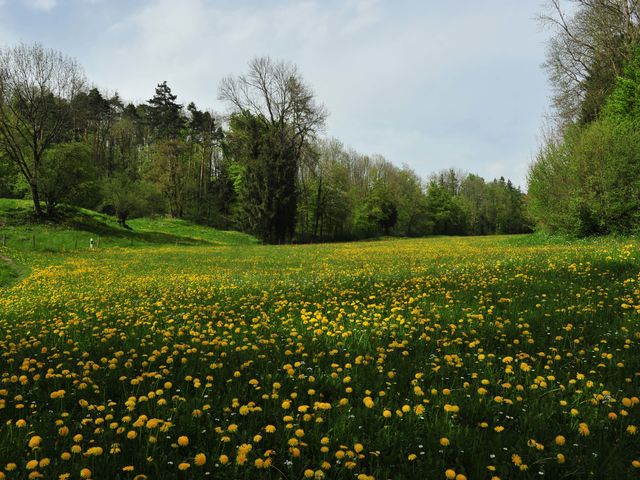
x=445 y=358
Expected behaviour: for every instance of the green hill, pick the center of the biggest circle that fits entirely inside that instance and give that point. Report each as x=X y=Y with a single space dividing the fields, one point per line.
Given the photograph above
x=74 y=227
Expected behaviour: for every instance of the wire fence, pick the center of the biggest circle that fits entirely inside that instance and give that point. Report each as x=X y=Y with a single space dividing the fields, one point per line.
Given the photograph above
x=52 y=243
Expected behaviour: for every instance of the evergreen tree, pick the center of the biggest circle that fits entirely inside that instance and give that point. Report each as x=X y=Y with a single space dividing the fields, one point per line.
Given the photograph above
x=164 y=115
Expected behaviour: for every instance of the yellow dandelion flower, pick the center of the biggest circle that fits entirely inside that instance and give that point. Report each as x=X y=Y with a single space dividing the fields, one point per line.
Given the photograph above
x=583 y=429
x=94 y=451
x=35 y=441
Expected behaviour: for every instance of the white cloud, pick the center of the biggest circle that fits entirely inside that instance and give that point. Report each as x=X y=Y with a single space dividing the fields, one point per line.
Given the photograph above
x=41 y=5
x=367 y=14
x=194 y=43
x=431 y=84
x=6 y=31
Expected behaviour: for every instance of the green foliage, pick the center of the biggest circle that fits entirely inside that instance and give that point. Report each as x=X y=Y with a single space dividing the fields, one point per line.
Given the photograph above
x=68 y=176
x=271 y=176
x=445 y=210
x=623 y=105
x=550 y=187
x=379 y=212
x=608 y=175
x=346 y=195
x=164 y=115
x=167 y=169
x=587 y=183
x=492 y=207
x=127 y=198
x=409 y=198
x=9 y=183
x=265 y=180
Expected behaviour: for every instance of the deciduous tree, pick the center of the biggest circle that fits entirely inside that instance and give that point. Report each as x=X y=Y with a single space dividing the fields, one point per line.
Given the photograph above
x=36 y=87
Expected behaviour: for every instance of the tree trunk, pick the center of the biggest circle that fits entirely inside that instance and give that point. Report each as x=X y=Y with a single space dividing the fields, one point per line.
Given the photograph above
x=36 y=200
x=316 y=213
x=51 y=208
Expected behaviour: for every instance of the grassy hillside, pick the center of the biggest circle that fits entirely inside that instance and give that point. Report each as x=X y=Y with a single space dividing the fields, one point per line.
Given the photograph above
x=74 y=228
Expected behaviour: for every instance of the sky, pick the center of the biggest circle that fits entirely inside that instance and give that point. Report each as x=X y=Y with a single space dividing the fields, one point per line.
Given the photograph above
x=430 y=84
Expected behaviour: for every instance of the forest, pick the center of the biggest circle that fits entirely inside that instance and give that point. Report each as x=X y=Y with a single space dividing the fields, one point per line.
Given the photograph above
x=585 y=179
x=264 y=167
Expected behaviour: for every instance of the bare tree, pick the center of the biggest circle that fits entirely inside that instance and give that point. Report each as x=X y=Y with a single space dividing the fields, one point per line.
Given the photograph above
x=592 y=41
x=275 y=91
x=36 y=85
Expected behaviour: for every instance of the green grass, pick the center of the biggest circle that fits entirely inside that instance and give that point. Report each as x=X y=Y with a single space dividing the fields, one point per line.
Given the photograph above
x=7 y=274
x=74 y=227
x=398 y=358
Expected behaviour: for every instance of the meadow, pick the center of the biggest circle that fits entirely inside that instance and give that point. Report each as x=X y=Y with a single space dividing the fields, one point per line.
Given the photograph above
x=438 y=358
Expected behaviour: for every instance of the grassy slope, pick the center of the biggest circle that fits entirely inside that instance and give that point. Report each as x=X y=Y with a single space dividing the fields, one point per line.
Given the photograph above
x=75 y=226
x=24 y=241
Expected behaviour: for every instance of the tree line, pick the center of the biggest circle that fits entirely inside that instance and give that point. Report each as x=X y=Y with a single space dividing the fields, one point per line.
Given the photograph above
x=264 y=168
x=585 y=179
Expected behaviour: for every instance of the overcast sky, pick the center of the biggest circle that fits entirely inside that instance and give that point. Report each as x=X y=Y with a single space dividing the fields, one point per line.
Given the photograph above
x=428 y=83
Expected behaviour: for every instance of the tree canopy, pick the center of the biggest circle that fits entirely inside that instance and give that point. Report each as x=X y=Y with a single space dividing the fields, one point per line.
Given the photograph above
x=264 y=167
x=586 y=177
